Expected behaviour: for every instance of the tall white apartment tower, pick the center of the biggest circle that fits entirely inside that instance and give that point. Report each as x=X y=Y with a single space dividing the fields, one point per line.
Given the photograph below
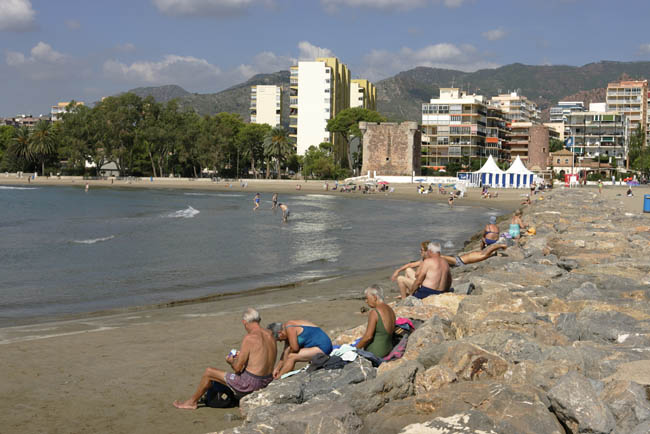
x=266 y=105
x=320 y=89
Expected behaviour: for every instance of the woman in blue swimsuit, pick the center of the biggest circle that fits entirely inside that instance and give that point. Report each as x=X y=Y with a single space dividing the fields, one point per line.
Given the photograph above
x=302 y=341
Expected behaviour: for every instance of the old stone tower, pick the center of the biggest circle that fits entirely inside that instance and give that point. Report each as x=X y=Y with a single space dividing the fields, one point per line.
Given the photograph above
x=391 y=149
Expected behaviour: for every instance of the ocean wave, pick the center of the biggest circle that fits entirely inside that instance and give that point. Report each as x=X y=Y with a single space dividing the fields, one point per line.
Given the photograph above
x=6 y=187
x=448 y=245
x=196 y=194
x=94 y=240
x=186 y=213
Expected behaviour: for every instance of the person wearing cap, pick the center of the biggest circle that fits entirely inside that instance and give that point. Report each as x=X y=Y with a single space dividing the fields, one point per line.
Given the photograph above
x=490 y=233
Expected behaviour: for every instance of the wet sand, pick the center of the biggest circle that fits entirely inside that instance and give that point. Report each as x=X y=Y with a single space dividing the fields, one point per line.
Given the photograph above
x=119 y=372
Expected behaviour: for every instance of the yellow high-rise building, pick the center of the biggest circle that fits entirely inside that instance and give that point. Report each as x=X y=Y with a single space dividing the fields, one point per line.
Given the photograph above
x=363 y=94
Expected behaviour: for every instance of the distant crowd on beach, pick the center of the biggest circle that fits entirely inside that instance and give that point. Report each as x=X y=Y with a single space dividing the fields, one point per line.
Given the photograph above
x=256 y=363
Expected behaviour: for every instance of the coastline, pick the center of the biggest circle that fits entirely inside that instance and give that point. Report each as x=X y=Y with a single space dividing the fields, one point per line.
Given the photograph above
x=120 y=372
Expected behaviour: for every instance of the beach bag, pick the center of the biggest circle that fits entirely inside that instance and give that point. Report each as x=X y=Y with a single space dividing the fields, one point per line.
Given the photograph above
x=220 y=396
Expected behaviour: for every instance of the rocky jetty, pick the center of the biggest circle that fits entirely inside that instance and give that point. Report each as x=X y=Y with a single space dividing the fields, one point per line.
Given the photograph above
x=553 y=336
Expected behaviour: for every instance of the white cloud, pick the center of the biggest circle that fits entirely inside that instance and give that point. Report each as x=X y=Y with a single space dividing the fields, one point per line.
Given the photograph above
x=73 y=24
x=41 y=52
x=644 y=48
x=16 y=15
x=494 y=34
x=379 y=64
x=334 y=5
x=215 y=8
x=308 y=51
x=182 y=70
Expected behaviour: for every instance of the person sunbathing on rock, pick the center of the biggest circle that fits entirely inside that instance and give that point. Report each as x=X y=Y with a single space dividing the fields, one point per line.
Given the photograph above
x=302 y=341
x=472 y=257
x=406 y=281
x=433 y=276
x=378 y=338
x=253 y=364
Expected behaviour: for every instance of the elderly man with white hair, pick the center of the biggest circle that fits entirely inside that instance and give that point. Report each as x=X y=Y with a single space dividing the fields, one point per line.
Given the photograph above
x=378 y=338
x=253 y=363
x=434 y=276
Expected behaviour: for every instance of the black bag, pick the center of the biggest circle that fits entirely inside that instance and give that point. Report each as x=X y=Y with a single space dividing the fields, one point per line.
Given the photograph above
x=220 y=396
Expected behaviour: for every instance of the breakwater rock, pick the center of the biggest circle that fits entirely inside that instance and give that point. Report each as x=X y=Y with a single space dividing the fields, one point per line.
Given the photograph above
x=552 y=336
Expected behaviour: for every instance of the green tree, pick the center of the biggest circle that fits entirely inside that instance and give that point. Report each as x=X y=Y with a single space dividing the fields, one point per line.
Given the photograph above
x=637 y=144
x=6 y=137
x=555 y=145
x=43 y=143
x=250 y=141
x=20 y=148
x=277 y=147
x=346 y=124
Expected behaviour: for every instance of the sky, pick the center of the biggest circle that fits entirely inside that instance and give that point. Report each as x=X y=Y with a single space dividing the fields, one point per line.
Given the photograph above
x=53 y=51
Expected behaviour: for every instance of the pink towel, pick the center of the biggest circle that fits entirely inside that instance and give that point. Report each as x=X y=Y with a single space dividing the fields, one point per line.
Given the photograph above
x=400 y=321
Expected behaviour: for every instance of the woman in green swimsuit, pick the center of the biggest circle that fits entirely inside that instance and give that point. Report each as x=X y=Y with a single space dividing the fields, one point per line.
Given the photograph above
x=378 y=338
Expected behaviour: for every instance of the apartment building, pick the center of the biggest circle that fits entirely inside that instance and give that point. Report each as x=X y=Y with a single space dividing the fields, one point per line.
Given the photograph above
x=497 y=133
x=57 y=110
x=599 y=133
x=266 y=105
x=363 y=94
x=530 y=142
x=517 y=108
x=454 y=126
x=631 y=99
x=565 y=108
x=319 y=90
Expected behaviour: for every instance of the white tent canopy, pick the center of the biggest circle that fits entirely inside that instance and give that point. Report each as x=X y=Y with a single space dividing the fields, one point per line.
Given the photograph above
x=517 y=176
x=489 y=174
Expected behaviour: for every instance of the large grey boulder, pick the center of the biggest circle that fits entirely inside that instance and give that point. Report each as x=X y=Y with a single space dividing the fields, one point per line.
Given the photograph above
x=512 y=346
x=372 y=395
x=305 y=385
x=586 y=291
x=628 y=402
x=471 y=421
x=577 y=405
x=317 y=417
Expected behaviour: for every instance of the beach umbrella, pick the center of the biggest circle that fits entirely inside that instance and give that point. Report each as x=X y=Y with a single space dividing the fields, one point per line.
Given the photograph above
x=383 y=182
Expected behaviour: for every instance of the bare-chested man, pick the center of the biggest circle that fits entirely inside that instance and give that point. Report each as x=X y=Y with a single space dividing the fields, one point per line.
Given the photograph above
x=285 y=211
x=253 y=363
x=433 y=275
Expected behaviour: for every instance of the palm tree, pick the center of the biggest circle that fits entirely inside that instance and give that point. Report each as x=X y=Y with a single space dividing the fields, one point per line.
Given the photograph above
x=277 y=146
x=20 y=147
x=42 y=144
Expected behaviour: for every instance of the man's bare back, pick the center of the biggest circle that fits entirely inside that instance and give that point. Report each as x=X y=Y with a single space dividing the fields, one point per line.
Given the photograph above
x=437 y=274
x=260 y=350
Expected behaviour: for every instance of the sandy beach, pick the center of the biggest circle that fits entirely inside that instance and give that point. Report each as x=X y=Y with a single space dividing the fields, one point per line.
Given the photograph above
x=118 y=372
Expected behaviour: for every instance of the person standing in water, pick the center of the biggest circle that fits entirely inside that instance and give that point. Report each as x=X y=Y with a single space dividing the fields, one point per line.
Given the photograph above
x=274 y=199
x=87 y=187
x=285 y=212
x=257 y=201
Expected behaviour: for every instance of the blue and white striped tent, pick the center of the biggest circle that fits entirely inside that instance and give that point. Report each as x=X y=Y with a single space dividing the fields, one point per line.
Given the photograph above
x=518 y=176
x=490 y=175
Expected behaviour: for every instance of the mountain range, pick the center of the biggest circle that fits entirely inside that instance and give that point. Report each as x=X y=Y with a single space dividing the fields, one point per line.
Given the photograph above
x=400 y=97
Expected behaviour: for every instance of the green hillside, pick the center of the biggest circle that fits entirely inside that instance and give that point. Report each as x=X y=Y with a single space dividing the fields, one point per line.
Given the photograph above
x=400 y=97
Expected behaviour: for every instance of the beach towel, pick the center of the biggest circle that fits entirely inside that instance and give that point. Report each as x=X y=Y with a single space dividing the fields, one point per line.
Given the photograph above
x=398 y=351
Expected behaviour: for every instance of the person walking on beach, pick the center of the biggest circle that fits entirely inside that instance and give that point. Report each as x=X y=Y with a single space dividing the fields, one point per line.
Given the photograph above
x=253 y=363
x=600 y=187
x=285 y=212
x=257 y=201
x=433 y=275
x=274 y=199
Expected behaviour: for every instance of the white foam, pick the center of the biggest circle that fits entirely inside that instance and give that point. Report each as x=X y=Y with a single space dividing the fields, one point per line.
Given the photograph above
x=186 y=213
x=228 y=195
x=448 y=245
x=196 y=194
x=6 y=187
x=94 y=240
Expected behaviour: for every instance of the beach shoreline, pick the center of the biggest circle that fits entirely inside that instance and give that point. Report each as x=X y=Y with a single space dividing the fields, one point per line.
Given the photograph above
x=119 y=372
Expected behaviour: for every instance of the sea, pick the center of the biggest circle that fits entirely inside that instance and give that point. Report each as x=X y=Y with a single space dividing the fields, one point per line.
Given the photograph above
x=65 y=251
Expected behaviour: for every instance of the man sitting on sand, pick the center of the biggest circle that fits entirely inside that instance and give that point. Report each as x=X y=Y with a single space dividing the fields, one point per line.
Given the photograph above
x=406 y=281
x=433 y=275
x=253 y=363
x=472 y=257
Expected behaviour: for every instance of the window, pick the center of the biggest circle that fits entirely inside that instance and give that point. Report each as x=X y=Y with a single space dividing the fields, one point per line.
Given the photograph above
x=327 y=109
x=566 y=161
x=558 y=161
x=327 y=90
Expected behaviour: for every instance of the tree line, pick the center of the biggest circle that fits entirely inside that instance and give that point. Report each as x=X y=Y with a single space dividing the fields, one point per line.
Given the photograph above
x=145 y=138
